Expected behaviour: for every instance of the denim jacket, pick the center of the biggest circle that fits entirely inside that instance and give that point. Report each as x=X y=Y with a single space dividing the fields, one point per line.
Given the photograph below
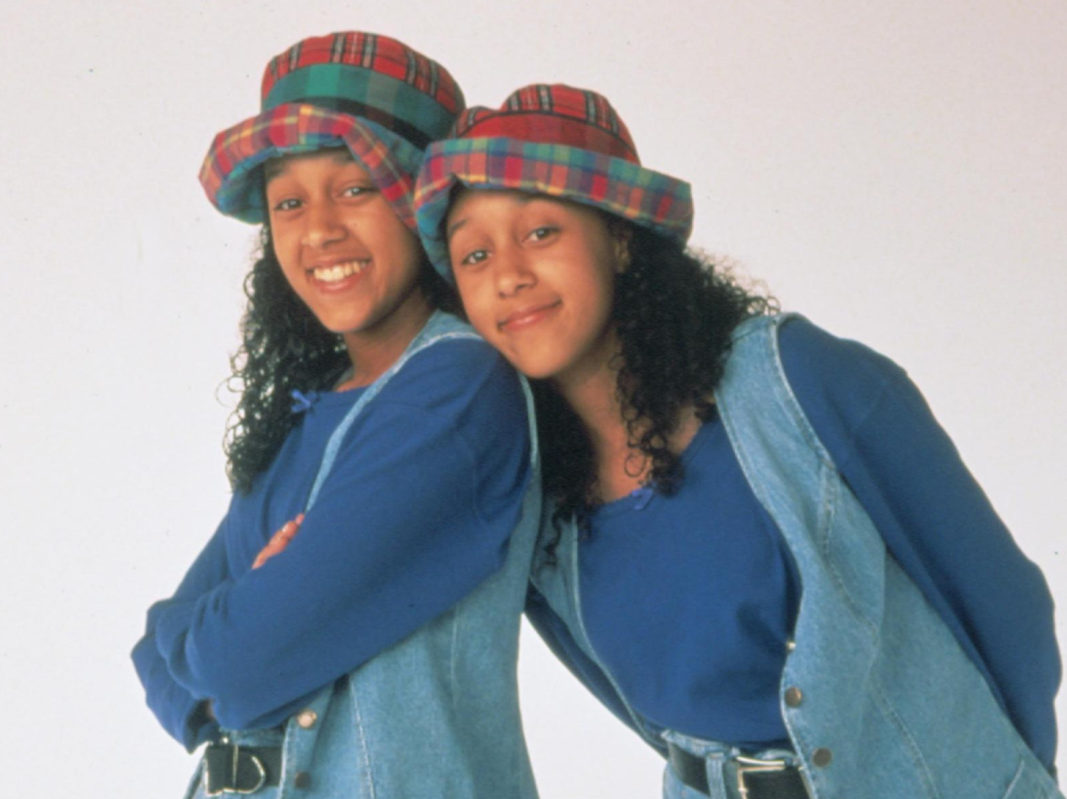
x=876 y=694
x=437 y=714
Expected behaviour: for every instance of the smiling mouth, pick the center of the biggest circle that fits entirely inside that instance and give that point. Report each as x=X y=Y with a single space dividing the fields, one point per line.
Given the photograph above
x=526 y=317
x=338 y=272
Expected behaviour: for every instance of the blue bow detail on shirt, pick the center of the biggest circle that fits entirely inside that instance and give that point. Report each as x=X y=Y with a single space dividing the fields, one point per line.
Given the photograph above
x=302 y=402
x=643 y=495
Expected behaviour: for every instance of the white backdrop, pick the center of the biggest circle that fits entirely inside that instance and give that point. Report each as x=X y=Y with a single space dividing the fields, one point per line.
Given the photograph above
x=896 y=170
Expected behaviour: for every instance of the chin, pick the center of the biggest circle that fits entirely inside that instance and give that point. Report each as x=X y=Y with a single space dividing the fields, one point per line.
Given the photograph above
x=535 y=368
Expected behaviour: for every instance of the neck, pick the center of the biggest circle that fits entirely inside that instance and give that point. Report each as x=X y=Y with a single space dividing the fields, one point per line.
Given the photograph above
x=592 y=396
x=375 y=349
x=595 y=403
x=620 y=468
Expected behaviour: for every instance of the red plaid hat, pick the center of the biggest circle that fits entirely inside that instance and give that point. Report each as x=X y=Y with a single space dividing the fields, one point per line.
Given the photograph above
x=373 y=94
x=556 y=140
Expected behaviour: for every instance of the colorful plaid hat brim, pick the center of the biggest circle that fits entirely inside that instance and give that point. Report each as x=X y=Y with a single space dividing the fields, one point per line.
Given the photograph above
x=620 y=187
x=233 y=180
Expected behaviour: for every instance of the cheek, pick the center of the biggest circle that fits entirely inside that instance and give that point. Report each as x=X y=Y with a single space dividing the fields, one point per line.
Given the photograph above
x=595 y=291
x=477 y=304
x=283 y=241
x=404 y=253
x=293 y=274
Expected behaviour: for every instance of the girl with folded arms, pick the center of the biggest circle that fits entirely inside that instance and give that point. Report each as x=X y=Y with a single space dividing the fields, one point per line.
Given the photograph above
x=760 y=550
x=351 y=628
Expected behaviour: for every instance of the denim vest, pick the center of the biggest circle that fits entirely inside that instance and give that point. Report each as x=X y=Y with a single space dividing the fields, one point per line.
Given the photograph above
x=876 y=694
x=437 y=714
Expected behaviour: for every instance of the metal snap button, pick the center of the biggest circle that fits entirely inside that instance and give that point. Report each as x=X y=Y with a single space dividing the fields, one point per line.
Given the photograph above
x=793 y=696
x=307 y=718
x=821 y=757
x=302 y=779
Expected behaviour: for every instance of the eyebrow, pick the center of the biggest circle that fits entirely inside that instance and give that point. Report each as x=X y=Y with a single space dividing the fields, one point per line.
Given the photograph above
x=521 y=196
x=454 y=227
x=273 y=167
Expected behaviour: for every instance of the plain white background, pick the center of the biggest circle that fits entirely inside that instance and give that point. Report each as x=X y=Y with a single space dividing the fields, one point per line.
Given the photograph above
x=893 y=169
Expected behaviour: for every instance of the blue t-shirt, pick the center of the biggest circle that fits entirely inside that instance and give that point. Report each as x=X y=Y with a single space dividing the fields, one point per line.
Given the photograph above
x=689 y=600
x=416 y=512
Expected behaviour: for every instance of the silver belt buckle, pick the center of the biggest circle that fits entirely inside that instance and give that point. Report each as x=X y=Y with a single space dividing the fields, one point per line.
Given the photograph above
x=233 y=776
x=752 y=765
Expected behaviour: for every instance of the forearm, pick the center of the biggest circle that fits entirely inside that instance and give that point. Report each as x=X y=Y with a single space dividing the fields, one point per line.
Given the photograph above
x=178 y=711
x=172 y=703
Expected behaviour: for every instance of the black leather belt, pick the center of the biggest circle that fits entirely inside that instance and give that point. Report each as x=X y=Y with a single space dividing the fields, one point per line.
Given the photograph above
x=755 y=779
x=234 y=769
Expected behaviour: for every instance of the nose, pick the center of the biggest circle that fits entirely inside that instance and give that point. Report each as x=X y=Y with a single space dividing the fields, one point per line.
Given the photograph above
x=512 y=273
x=322 y=225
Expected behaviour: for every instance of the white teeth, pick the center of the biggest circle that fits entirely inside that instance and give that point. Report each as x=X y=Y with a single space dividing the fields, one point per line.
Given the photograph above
x=331 y=274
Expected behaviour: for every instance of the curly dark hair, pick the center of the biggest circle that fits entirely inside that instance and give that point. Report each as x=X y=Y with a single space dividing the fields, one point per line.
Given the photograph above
x=674 y=311
x=284 y=347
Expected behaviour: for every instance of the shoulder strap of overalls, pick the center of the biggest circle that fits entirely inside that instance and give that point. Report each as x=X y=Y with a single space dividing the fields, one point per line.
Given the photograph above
x=794 y=478
x=758 y=407
x=440 y=327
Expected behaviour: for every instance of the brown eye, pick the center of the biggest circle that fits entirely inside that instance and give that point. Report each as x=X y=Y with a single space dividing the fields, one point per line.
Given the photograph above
x=474 y=257
x=357 y=191
x=541 y=233
x=287 y=204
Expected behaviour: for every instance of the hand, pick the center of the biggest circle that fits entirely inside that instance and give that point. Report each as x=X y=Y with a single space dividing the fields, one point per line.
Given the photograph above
x=278 y=542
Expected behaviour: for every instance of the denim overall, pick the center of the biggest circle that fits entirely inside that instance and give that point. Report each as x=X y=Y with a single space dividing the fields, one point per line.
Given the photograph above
x=877 y=696
x=436 y=715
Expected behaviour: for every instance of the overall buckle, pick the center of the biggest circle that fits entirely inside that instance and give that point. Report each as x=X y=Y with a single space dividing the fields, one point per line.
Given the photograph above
x=230 y=779
x=752 y=765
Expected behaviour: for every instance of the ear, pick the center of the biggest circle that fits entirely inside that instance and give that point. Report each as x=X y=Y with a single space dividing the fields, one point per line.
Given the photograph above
x=621 y=236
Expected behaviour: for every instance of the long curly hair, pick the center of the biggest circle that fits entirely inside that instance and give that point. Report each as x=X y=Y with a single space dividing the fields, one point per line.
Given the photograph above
x=674 y=311
x=284 y=348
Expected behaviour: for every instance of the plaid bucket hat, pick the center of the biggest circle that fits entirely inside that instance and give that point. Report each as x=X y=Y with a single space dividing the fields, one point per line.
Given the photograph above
x=374 y=95
x=548 y=139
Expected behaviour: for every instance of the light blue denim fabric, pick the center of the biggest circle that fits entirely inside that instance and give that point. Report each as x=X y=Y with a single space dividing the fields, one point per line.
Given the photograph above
x=436 y=715
x=887 y=696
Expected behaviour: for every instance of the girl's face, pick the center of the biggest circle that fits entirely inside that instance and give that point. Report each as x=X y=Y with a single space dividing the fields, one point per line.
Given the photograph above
x=343 y=250
x=537 y=279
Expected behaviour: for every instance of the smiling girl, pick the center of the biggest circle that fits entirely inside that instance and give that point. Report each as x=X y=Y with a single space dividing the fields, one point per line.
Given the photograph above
x=351 y=628
x=761 y=550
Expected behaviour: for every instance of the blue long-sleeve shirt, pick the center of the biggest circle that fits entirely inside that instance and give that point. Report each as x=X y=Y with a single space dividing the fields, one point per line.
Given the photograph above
x=689 y=600
x=416 y=513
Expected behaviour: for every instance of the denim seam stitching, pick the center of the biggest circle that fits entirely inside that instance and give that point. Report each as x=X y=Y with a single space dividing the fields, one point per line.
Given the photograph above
x=830 y=489
x=453 y=646
x=1015 y=778
x=882 y=699
x=368 y=775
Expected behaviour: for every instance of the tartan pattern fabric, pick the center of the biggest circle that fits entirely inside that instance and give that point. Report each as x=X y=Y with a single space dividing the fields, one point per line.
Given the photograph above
x=551 y=140
x=557 y=113
x=232 y=181
x=615 y=185
x=378 y=54
x=539 y=127
x=373 y=94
